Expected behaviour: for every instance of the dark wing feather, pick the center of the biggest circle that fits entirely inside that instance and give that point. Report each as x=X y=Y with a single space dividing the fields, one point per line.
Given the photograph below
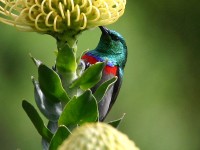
x=116 y=90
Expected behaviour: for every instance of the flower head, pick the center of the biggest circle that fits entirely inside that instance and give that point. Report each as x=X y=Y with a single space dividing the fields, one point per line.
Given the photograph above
x=99 y=136
x=60 y=16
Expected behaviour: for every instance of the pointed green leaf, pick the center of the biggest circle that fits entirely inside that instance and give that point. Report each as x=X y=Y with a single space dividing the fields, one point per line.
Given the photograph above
x=66 y=60
x=80 y=68
x=50 y=109
x=51 y=85
x=78 y=59
x=90 y=77
x=37 y=62
x=79 y=110
x=61 y=134
x=116 y=123
x=102 y=89
x=81 y=64
x=37 y=121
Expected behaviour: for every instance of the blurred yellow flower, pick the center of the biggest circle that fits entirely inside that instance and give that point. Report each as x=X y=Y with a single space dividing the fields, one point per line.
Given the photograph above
x=97 y=136
x=60 y=16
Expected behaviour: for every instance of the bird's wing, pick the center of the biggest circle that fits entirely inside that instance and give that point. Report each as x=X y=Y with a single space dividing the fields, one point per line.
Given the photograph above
x=116 y=89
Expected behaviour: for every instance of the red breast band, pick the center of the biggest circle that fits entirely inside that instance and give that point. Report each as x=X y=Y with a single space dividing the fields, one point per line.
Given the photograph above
x=107 y=69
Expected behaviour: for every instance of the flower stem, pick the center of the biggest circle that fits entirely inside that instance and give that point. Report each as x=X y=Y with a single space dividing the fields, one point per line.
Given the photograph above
x=66 y=64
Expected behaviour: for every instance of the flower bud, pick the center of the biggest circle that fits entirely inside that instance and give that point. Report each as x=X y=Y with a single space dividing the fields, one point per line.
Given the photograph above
x=97 y=136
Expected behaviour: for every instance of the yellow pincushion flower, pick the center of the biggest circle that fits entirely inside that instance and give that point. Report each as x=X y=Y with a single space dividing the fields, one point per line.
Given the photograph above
x=60 y=16
x=97 y=136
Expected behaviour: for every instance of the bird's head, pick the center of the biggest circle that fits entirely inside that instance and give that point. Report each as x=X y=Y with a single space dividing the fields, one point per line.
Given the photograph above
x=113 y=44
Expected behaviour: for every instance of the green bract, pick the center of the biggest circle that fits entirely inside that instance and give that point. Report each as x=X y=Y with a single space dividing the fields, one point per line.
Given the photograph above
x=61 y=134
x=79 y=110
x=90 y=77
x=66 y=60
x=100 y=92
x=37 y=121
x=51 y=84
x=50 y=109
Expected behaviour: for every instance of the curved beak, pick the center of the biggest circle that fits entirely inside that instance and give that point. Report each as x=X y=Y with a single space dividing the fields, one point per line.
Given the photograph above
x=104 y=30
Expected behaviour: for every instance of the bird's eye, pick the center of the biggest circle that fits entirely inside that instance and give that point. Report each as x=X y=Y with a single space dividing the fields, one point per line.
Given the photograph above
x=115 y=38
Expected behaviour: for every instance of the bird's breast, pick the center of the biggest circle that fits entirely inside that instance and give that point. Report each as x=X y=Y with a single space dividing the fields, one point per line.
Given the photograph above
x=109 y=68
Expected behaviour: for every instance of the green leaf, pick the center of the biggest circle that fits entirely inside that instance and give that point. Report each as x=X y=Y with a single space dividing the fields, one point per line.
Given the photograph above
x=78 y=59
x=51 y=110
x=102 y=89
x=90 y=77
x=116 y=123
x=51 y=85
x=81 y=64
x=37 y=62
x=79 y=110
x=80 y=68
x=61 y=134
x=37 y=121
x=66 y=60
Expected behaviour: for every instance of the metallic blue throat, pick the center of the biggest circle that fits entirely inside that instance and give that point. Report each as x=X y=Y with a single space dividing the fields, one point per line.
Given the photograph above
x=101 y=58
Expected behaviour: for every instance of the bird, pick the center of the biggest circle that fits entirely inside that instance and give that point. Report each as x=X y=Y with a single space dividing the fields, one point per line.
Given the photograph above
x=111 y=49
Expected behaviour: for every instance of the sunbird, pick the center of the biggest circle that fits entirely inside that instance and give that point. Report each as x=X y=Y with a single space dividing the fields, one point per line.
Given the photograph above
x=111 y=49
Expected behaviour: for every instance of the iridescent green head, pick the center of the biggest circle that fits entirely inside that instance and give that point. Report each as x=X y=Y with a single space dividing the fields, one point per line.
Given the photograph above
x=113 y=46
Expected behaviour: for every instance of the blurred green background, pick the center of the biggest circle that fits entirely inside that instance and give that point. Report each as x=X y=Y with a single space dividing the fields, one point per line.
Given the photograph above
x=161 y=89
